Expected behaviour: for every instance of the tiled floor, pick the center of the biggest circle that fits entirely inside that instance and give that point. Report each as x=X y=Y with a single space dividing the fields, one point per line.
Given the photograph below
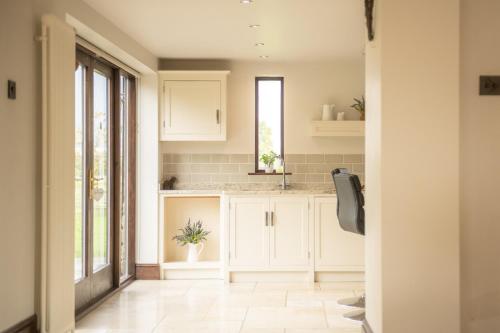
x=211 y=306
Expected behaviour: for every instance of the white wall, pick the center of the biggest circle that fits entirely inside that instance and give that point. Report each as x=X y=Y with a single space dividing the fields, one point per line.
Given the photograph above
x=147 y=168
x=19 y=162
x=307 y=87
x=412 y=164
x=107 y=31
x=20 y=147
x=480 y=162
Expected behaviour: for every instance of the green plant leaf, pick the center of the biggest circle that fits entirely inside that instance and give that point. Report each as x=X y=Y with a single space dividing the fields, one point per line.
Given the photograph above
x=191 y=234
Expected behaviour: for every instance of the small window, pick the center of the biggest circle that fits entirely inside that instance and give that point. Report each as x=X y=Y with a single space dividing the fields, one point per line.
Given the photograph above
x=269 y=112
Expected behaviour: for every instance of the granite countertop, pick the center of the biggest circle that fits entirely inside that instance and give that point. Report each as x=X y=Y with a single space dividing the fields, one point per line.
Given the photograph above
x=251 y=189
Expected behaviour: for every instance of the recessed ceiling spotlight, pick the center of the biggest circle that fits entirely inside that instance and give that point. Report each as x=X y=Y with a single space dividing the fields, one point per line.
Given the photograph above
x=259 y=44
x=253 y=26
x=246 y=2
x=264 y=56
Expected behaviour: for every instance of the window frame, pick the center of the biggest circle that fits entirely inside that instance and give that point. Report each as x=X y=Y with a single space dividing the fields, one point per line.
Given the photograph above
x=281 y=79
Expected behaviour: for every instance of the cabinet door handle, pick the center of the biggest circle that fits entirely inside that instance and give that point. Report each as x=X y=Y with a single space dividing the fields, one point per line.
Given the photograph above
x=272 y=219
x=267 y=218
x=217 y=116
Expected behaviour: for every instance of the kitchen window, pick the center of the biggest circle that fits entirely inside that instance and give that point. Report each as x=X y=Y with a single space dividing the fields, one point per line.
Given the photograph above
x=269 y=112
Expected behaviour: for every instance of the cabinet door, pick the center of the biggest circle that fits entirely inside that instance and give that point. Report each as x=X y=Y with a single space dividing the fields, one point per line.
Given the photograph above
x=248 y=232
x=335 y=249
x=289 y=245
x=192 y=108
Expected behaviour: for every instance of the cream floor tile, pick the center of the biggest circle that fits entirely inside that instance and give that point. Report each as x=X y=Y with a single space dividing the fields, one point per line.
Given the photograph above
x=315 y=298
x=262 y=330
x=198 y=327
x=218 y=312
x=304 y=303
x=319 y=295
x=285 y=317
x=107 y=331
x=342 y=285
x=338 y=321
x=103 y=321
x=326 y=330
x=271 y=298
x=333 y=308
x=335 y=316
x=220 y=288
x=267 y=286
x=212 y=306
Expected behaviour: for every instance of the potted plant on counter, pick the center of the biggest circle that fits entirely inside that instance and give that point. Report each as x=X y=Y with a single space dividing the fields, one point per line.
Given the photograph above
x=192 y=236
x=268 y=160
x=360 y=107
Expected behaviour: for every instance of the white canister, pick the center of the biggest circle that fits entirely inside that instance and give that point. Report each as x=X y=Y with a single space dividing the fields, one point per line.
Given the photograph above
x=327 y=113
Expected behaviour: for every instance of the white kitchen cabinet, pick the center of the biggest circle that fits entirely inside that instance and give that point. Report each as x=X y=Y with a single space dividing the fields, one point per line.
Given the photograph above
x=335 y=249
x=193 y=105
x=249 y=232
x=269 y=232
x=289 y=222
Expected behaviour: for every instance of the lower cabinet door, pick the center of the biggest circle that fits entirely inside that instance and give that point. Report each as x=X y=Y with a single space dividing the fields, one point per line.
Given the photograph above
x=335 y=249
x=249 y=232
x=289 y=234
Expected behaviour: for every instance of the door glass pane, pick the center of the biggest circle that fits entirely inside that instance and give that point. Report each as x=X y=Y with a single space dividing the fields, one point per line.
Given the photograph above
x=79 y=172
x=269 y=114
x=123 y=160
x=100 y=186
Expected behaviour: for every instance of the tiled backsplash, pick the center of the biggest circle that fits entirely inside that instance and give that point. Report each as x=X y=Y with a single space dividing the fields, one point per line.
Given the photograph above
x=192 y=169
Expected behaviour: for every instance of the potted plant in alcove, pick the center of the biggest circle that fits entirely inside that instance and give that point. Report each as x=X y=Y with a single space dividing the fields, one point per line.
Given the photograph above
x=268 y=160
x=360 y=107
x=192 y=235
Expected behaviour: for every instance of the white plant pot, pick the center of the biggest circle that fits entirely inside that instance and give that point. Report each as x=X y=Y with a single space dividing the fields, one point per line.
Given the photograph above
x=269 y=169
x=194 y=252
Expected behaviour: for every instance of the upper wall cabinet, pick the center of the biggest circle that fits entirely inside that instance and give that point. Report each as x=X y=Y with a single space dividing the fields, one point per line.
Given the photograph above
x=193 y=105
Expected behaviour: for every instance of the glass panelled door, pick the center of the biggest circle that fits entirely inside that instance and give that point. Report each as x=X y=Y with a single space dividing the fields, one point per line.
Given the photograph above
x=100 y=196
x=80 y=105
x=122 y=181
x=105 y=153
x=94 y=265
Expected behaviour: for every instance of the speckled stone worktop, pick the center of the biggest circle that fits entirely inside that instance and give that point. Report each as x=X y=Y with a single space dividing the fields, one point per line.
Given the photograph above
x=251 y=189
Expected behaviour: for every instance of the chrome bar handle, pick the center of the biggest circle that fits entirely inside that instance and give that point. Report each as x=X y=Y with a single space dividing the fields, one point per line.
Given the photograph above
x=272 y=219
x=267 y=218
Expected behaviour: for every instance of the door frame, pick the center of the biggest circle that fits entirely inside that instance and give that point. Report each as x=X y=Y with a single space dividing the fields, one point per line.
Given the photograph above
x=89 y=58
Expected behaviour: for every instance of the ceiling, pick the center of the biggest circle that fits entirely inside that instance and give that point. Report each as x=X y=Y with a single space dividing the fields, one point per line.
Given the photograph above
x=291 y=30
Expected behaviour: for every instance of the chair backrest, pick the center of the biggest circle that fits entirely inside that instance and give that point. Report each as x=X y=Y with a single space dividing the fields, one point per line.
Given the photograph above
x=350 y=201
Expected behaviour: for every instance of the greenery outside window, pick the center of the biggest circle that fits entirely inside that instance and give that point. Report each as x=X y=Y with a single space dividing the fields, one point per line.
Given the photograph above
x=269 y=112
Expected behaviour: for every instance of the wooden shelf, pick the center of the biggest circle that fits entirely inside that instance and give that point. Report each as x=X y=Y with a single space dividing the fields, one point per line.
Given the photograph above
x=346 y=128
x=180 y=265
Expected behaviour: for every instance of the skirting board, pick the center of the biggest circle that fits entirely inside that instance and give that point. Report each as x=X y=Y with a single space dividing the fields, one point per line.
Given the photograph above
x=147 y=271
x=28 y=325
x=366 y=327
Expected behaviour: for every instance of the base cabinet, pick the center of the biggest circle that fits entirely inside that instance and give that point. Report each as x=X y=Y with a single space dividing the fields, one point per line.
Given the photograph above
x=249 y=232
x=268 y=232
x=335 y=249
x=289 y=245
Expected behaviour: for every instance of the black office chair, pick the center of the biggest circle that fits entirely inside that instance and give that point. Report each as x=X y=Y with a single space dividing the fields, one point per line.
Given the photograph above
x=351 y=216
